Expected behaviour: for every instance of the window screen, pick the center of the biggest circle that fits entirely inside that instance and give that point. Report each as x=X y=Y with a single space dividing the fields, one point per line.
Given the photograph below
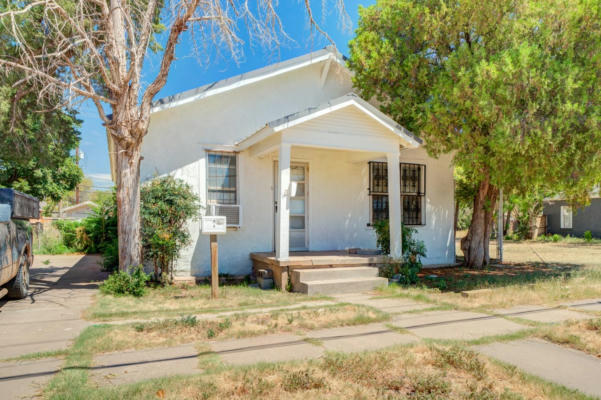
x=222 y=178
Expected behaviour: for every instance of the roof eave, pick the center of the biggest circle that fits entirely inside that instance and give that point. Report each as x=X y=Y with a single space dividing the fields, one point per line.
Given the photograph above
x=255 y=76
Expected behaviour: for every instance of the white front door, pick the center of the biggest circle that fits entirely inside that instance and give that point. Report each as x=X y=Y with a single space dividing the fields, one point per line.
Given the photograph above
x=298 y=205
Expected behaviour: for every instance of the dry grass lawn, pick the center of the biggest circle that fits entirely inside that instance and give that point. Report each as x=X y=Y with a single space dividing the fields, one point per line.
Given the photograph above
x=189 y=329
x=551 y=285
x=419 y=372
x=172 y=301
x=580 y=335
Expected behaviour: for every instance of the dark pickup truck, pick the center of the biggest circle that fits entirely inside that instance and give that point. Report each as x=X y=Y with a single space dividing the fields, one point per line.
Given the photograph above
x=16 y=250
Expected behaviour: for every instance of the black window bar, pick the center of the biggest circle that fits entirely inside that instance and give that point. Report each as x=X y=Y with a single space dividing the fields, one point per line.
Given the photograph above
x=378 y=178
x=413 y=184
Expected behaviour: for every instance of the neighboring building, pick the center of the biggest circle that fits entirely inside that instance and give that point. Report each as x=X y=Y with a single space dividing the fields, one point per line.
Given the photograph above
x=297 y=162
x=564 y=220
x=78 y=211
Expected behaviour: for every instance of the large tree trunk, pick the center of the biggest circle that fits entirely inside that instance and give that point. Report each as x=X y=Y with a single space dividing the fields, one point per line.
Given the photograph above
x=128 y=207
x=475 y=245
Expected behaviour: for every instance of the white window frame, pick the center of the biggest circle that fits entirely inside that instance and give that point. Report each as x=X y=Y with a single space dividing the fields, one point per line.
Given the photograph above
x=565 y=217
x=207 y=190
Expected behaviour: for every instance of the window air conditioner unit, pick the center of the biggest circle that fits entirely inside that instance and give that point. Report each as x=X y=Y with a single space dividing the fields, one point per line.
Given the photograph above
x=231 y=212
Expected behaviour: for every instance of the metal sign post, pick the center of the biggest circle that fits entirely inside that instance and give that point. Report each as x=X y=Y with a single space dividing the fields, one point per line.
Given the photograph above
x=214 y=267
x=213 y=226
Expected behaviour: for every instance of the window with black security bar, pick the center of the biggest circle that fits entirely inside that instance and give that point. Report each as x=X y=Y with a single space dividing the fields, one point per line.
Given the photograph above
x=413 y=184
x=221 y=178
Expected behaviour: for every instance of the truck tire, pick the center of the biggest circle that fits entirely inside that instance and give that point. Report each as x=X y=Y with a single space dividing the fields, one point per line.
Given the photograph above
x=19 y=286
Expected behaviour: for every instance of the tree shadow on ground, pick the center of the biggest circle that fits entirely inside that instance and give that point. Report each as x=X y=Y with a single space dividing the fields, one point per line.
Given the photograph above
x=458 y=279
x=86 y=273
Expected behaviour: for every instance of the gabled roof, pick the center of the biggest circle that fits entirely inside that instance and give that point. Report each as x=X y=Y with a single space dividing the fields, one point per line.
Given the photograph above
x=327 y=53
x=90 y=204
x=350 y=99
x=225 y=85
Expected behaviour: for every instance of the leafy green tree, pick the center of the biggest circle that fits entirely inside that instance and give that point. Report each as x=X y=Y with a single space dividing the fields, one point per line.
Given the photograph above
x=509 y=86
x=39 y=179
x=37 y=136
x=167 y=206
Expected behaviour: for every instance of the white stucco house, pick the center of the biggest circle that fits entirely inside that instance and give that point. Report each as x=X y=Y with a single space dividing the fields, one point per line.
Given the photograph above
x=298 y=163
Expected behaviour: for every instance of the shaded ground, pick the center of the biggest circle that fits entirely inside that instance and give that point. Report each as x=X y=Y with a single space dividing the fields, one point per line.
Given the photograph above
x=50 y=316
x=458 y=279
x=46 y=322
x=524 y=262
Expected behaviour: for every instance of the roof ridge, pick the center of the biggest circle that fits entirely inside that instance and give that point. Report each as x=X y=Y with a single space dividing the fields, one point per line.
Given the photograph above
x=248 y=77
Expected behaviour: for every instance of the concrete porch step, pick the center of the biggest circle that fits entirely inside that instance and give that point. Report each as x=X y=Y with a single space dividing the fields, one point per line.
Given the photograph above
x=345 y=285
x=319 y=274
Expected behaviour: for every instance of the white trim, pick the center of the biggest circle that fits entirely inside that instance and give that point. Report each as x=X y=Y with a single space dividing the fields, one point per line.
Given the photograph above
x=270 y=71
x=206 y=186
x=324 y=73
x=347 y=100
x=305 y=164
x=282 y=249
x=565 y=217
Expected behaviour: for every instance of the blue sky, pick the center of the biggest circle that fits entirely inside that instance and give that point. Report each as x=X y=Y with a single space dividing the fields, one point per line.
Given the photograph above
x=187 y=72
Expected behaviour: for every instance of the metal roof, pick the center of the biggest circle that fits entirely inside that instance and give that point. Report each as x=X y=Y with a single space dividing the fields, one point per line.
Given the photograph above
x=248 y=78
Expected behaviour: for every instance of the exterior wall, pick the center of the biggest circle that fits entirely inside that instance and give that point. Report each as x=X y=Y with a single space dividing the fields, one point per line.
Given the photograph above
x=338 y=202
x=176 y=137
x=583 y=219
x=438 y=232
x=338 y=209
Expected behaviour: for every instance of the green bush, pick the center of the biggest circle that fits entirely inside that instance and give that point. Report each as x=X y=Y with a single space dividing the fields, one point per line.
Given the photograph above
x=68 y=230
x=51 y=243
x=101 y=228
x=588 y=236
x=95 y=234
x=131 y=282
x=167 y=206
x=413 y=251
x=110 y=256
x=556 y=238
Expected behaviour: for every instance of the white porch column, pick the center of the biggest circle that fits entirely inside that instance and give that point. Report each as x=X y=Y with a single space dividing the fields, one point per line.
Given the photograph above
x=283 y=216
x=394 y=204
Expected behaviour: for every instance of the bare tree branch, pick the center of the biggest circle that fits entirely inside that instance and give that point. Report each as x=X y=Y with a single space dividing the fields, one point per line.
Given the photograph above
x=95 y=49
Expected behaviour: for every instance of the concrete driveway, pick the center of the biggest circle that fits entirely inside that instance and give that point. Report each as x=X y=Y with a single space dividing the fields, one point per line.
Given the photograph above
x=50 y=317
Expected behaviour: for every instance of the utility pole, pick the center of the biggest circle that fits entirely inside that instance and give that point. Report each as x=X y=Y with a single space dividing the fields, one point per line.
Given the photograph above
x=77 y=187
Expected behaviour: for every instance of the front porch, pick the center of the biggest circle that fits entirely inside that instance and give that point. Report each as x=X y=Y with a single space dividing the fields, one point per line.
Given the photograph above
x=282 y=269
x=354 y=133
